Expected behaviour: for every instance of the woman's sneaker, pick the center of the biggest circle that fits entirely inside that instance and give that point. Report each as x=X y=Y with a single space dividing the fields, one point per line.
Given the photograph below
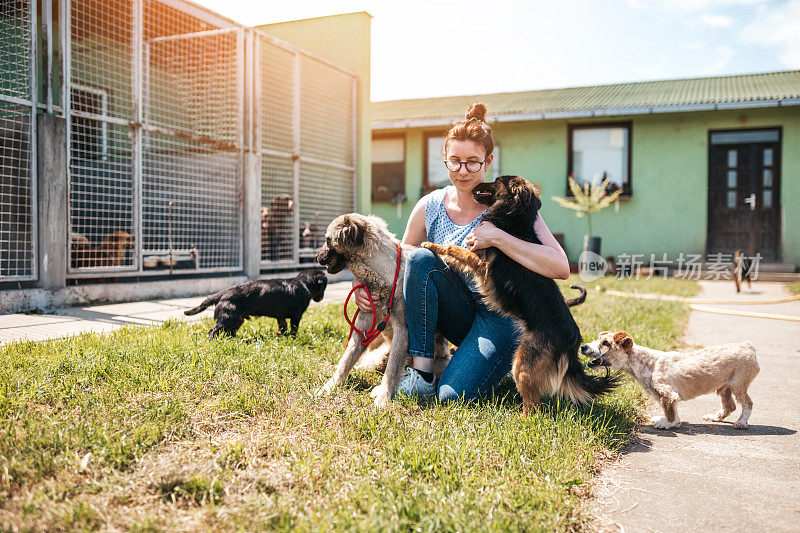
x=413 y=384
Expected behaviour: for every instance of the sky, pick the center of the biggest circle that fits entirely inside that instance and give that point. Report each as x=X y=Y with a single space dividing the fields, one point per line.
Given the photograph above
x=430 y=48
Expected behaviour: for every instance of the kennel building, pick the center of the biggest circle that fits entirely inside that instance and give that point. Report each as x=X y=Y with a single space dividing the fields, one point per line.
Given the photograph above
x=192 y=145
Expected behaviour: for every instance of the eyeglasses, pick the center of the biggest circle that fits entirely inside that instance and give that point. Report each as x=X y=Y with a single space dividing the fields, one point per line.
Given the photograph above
x=455 y=166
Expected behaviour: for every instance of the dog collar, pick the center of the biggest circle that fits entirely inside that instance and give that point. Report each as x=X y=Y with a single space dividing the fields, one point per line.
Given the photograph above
x=372 y=333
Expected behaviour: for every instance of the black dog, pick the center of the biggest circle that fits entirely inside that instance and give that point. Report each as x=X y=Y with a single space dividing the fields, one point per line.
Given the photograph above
x=276 y=298
x=547 y=358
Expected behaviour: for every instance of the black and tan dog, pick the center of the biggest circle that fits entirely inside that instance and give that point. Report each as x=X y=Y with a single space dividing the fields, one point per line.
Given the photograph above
x=742 y=268
x=546 y=361
x=276 y=298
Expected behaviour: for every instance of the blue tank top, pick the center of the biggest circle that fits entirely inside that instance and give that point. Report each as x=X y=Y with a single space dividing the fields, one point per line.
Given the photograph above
x=441 y=230
x=438 y=226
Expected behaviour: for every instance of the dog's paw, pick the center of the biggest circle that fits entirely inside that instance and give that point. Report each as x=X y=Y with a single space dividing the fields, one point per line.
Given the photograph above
x=661 y=422
x=714 y=417
x=438 y=249
x=381 y=396
x=382 y=402
x=739 y=425
x=325 y=390
x=379 y=391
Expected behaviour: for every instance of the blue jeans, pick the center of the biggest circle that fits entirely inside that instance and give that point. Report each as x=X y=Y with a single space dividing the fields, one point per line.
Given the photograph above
x=436 y=298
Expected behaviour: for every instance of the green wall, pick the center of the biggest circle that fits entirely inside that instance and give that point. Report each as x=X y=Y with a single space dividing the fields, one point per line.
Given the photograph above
x=668 y=209
x=345 y=41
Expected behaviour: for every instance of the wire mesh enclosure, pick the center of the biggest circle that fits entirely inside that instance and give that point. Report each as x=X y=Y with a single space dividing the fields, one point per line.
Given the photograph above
x=156 y=95
x=307 y=141
x=155 y=121
x=275 y=105
x=102 y=186
x=17 y=145
x=192 y=142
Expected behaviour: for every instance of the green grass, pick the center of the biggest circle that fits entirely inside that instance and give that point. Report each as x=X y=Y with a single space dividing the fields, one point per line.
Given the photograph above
x=794 y=288
x=656 y=285
x=149 y=429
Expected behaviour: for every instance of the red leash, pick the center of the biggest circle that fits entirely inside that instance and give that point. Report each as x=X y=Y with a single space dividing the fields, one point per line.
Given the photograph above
x=369 y=335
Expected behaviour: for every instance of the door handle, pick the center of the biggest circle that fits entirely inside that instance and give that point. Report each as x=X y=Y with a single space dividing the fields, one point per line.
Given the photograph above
x=751 y=200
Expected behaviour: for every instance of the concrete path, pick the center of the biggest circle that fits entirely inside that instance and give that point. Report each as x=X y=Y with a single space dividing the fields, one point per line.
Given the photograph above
x=706 y=476
x=104 y=318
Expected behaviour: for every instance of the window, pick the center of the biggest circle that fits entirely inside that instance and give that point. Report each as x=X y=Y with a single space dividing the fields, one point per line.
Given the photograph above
x=599 y=151
x=388 y=168
x=436 y=175
x=90 y=137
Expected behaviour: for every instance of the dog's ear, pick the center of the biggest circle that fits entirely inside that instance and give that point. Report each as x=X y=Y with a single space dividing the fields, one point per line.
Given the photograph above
x=352 y=232
x=501 y=185
x=525 y=192
x=624 y=340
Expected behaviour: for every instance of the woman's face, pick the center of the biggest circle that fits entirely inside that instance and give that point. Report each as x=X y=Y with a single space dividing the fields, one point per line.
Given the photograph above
x=464 y=151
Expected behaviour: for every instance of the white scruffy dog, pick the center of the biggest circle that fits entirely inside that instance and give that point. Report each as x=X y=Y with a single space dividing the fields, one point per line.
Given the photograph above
x=671 y=377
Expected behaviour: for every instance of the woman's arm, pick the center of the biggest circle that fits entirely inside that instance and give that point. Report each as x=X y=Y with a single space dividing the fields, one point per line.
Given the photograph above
x=415 y=229
x=547 y=259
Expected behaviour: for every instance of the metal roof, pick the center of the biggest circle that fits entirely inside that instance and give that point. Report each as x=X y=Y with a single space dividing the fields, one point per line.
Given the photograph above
x=768 y=89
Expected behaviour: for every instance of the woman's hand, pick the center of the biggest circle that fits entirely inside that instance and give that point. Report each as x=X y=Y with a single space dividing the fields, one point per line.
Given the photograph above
x=484 y=235
x=547 y=259
x=361 y=298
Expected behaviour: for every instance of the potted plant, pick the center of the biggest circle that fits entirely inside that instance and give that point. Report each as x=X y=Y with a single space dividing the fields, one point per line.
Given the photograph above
x=587 y=200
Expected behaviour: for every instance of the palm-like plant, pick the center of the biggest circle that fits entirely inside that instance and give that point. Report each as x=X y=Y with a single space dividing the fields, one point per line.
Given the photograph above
x=589 y=199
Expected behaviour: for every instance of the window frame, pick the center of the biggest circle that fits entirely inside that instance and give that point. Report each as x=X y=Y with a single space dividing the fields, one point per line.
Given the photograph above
x=426 y=136
x=426 y=186
x=627 y=188
x=403 y=138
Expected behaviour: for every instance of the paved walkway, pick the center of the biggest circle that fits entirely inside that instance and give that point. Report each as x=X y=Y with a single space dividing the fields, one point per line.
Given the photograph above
x=707 y=476
x=104 y=318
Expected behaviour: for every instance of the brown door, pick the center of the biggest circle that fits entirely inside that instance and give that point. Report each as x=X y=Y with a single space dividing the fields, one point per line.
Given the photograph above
x=744 y=193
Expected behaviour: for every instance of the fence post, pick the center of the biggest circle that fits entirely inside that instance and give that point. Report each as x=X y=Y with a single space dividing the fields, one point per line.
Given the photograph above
x=251 y=185
x=52 y=202
x=252 y=216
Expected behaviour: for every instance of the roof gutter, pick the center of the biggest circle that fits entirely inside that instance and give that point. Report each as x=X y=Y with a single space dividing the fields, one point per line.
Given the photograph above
x=588 y=113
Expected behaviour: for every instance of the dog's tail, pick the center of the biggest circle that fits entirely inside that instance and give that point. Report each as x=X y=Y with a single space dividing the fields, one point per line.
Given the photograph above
x=211 y=300
x=581 y=387
x=578 y=299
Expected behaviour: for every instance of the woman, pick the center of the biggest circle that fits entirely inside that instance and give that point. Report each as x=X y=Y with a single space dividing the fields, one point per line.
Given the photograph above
x=437 y=298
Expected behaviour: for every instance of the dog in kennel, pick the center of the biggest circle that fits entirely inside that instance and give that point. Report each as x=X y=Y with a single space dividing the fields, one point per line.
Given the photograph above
x=276 y=228
x=111 y=251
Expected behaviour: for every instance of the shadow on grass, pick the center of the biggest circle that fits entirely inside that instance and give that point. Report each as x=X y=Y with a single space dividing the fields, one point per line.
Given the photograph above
x=360 y=382
x=505 y=397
